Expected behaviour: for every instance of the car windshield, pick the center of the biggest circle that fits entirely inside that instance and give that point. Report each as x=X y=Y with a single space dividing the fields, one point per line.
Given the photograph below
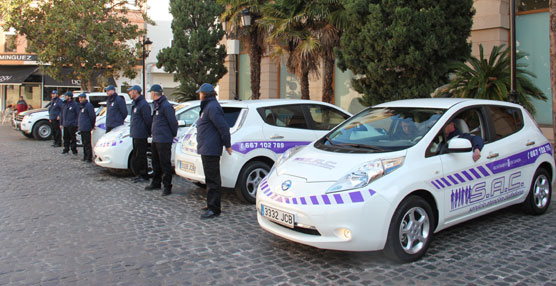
x=382 y=130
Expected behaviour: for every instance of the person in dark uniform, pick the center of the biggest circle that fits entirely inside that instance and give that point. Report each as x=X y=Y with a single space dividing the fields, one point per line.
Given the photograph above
x=54 y=110
x=213 y=132
x=70 y=115
x=164 y=129
x=116 y=111
x=87 y=118
x=140 y=130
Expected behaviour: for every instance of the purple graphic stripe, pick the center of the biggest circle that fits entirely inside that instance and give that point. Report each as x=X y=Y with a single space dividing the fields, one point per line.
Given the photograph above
x=314 y=200
x=459 y=177
x=294 y=200
x=303 y=201
x=520 y=159
x=452 y=179
x=440 y=184
x=287 y=200
x=356 y=197
x=483 y=171
x=467 y=175
x=435 y=185
x=275 y=146
x=475 y=173
x=339 y=199
x=372 y=192
x=446 y=182
x=325 y=199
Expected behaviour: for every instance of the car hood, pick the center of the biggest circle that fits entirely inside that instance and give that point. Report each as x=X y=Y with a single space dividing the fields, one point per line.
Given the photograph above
x=34 y=111
x=114 y=137
x=315 y=165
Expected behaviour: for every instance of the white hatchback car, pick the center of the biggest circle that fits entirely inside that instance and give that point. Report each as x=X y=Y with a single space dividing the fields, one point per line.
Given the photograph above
x=114 y=149
x=260 y=130
x=369 y=185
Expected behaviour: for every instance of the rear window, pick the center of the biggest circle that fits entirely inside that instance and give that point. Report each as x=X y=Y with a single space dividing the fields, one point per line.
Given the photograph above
x=507 y=120
x=231 y=114
x=95 y=100
x=290 y=116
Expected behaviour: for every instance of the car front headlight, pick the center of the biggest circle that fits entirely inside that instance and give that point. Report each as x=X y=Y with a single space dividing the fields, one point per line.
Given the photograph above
x=365 y=174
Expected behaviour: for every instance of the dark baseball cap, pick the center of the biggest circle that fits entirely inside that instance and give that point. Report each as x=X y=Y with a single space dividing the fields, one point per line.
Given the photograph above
x=135 y=87
x=110 y=87
x=156 y=88
x=205 y=88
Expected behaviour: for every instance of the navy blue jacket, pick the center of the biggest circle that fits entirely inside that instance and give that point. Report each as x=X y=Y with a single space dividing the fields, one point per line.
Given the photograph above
x=70 y=114
x=476 y=141
x=116 y=111
x=87 y=116
x=141 y=119
x=213 y=131
x=165 y=125
x=55 y=108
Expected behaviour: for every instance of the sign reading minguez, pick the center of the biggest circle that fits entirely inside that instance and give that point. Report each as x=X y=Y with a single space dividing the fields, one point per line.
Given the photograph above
x=19 y=57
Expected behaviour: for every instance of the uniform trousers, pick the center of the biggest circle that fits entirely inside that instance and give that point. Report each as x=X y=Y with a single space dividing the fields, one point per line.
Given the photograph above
x=211 y=167
x=162 y=165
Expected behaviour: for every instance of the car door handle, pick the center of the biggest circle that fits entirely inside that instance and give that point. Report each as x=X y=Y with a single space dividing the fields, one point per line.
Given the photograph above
x=530 y=143
x=492 y=156
x=277 y=137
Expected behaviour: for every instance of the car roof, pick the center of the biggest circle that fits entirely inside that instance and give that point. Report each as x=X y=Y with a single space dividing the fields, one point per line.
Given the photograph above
x=443 y=103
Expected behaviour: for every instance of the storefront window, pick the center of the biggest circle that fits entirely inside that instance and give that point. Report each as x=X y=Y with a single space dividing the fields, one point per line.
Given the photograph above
x=10 y=44
x=529 y=5
x=32 y=94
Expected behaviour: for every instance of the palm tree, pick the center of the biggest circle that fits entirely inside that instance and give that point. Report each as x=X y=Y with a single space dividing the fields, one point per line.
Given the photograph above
x=255 y=36
x=490 y=79
x=290 y=33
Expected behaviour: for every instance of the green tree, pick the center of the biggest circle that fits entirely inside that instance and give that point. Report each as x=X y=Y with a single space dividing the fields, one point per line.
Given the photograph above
x=401 y=49
x=291 y=36
x=254 y=37
x=195 y=54
x=88 y=36
x=490 y=79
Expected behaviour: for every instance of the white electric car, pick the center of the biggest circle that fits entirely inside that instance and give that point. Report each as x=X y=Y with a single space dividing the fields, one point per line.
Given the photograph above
x=370 y=185
x=114 y=149
x=260 y=130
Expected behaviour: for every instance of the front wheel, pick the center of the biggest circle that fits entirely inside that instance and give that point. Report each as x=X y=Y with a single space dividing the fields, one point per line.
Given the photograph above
x=150 y=170
x=249 y=179
x=540 y=193
x=410 y=232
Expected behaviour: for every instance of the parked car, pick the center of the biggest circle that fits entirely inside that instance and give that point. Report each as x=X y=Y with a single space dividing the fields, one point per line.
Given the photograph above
x=365 y=187
x=114 y=149
x=260 y=130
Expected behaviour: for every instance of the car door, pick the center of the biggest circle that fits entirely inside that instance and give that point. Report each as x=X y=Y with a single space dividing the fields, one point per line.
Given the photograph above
x=463 y=181
x=323 y=118
x=285 y=126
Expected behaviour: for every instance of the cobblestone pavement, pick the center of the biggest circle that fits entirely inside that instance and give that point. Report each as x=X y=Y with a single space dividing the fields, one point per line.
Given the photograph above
x=64 y=222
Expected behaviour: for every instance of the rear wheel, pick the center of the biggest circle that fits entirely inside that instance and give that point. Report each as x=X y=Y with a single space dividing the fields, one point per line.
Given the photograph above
x=410 y=232
x=249 y=178
x=540 y=193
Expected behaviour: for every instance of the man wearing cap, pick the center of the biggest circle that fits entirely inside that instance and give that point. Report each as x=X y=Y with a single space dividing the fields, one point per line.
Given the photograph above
x=87 y=118
x=140 y=130
x=54 y=110
x=69 y=118
x=213 y=132
x=116 y=111
x=164 y=129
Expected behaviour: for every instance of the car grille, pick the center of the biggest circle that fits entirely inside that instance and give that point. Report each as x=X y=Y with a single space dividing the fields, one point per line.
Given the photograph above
x=304 y=230
x=19 y=117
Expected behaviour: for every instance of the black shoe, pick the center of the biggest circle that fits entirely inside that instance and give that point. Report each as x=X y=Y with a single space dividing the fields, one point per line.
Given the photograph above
x=204 y=208
x=140 y=179
x=83 y=159
x=74 y=153
x=65 y=152
x=209 y=214
x=152 y=187
x=166 y=192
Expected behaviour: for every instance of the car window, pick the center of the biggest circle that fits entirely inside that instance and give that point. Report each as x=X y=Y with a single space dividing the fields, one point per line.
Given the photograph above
x=325 y=117
x=190 y=116
x=231 y=114
x=290 y=116
x=506 y=120
x=383 y=129
x=95 y=100
x=102 y=110
x=467 y=121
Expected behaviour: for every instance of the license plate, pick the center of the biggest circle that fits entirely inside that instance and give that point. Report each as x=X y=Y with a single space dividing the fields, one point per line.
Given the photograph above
x=278 y=216
x=187 y=166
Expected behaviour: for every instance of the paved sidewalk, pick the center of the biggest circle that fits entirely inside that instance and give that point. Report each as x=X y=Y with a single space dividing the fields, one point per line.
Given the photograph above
x=64 y=222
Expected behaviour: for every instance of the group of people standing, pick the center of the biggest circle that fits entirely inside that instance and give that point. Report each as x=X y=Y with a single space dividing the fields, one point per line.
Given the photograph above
x=159 y=122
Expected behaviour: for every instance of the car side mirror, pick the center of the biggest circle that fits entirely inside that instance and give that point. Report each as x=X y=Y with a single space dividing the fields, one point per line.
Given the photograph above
x=459 y=145
x=181 y=123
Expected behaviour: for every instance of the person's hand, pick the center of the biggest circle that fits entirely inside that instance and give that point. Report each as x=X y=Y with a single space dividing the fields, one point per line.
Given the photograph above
x=476 y=154
x=229 y=150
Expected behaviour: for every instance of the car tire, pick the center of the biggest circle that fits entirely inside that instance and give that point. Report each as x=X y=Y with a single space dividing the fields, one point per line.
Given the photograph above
x=42 y=130
x=150 y=170
x=249 y=178
x=27 y=135
x=411 y=230
x=540 y=194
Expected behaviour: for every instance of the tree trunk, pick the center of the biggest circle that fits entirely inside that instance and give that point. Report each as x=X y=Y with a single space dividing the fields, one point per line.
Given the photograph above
x=328 y=88
x=552 y=25
x=255 y=62
x=304 y=81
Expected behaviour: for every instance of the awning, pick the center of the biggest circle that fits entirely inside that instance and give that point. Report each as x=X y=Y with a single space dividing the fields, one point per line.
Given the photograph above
x=68 y=82
x=15 y=74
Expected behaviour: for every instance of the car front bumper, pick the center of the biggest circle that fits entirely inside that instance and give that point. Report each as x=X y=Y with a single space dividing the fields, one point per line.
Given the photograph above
x=113 y=157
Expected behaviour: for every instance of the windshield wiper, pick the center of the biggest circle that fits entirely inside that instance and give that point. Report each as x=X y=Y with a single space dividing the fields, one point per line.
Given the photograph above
x=326 y=138
x=362 y=146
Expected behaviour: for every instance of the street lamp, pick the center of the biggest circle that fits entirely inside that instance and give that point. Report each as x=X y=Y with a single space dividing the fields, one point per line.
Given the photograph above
x=513 y=90
x=147 y=45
